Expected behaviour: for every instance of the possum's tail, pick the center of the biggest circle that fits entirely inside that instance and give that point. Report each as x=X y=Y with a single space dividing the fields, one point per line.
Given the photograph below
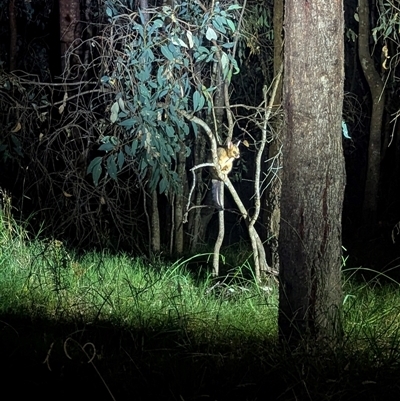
x=218 y=193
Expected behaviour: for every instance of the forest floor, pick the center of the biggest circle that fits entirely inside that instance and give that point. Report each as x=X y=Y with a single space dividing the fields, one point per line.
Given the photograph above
x=102 y=326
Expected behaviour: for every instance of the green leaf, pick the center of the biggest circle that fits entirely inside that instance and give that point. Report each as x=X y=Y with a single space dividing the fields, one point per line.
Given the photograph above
x=95 y=169
x=143 y=75
x=163 y=185
x=173 y=49
x=128 y=150
x=218 y=24
x=115 y=108
x=166 y=53
x=201 y=57
x=170 y=131
x=234 y=7
x=178 y=42
x=106 y=147
x=156 y=24
x=134 y=147
x=93 y=164
x=129 y=123
x=211 y=34
x=189 y=36
x=112 y=168
x=198 y=101
x=121 y=104
x=143 y=165
x=114 y=112
x=120 y=160
x=224 y=64
x=203 y=49
x=231 y=25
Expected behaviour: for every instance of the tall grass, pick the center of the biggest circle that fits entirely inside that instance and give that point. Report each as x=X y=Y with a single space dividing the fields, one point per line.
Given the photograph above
x=45 y=278
x=225 y=327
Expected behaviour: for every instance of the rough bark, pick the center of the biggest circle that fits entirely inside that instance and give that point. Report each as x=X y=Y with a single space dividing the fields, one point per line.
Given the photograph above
x=180 y=203
x=370 y=205
x=313 y=173
x=155 y=224
x=200 y=218
x=69 y=25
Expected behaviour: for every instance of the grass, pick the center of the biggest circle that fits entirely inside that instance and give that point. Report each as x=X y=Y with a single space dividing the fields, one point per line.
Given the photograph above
x=103 y=326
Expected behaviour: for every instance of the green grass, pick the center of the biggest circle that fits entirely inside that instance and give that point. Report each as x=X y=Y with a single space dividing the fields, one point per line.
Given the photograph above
x=47 y=280
x=115 y=325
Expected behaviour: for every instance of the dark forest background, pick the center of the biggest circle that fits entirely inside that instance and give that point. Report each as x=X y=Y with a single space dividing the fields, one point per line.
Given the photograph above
x=45 y=151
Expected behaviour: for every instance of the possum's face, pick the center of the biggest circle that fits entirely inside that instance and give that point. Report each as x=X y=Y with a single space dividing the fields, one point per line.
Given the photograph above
x=233 y=151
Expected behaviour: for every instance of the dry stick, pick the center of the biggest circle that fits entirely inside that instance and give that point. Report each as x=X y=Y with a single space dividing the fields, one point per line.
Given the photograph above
x=225 y=83
x=221 y=232
x=256 y=242
x=257 y=197
x=90 y=360
x=188 y=208
x=217 y=169
x=257 y=246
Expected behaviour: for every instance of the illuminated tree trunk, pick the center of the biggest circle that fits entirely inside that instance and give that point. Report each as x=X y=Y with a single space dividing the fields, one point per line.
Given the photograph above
x=313 y=172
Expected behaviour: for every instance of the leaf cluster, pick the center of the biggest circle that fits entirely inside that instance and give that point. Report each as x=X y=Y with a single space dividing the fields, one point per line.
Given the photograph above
x=160 y=67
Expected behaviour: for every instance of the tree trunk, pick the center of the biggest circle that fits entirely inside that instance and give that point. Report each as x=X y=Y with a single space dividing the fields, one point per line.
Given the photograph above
x=200 y=217
x=13 y=36
x=313 y=175
x=370 y=205
x=69 y=26
x=180 y=202
x=155 y=224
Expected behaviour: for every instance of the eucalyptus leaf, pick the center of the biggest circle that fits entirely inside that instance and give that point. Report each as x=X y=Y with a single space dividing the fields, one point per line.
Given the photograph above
x=134 y=147
x=218 y=25
x=95 y=169
x=234 y=7
x=112 y=168
x=106 y=147
x=115 y=108
x=163 y=185
x=167 y=53
x=130 y=122
x=231 y=25
x=189 y=36
x=211 y=34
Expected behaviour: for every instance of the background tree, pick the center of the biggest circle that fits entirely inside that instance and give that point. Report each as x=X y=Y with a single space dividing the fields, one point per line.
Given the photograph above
x=70 y=30
x=46 y=150
x=313 y=173
x=370 y=206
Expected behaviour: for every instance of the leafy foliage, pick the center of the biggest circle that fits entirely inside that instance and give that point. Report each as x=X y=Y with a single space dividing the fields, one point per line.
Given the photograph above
x=159 y=69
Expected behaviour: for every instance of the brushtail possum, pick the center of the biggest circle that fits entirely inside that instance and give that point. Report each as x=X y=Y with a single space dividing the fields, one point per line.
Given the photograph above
x=226 y=156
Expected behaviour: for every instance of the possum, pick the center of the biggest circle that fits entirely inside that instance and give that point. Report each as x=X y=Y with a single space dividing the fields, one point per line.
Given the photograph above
x=226 y=156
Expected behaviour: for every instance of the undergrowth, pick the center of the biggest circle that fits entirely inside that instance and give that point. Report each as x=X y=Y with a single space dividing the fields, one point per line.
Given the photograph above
x=179 y=333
